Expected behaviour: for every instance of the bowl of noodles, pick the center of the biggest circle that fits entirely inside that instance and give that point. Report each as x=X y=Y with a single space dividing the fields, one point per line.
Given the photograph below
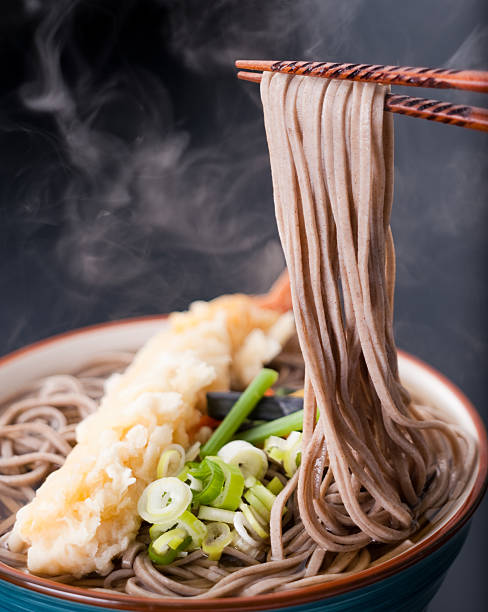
x=63 y=373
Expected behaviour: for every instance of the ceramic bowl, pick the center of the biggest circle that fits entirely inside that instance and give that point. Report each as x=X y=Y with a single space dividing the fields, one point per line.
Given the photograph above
x=405 y=583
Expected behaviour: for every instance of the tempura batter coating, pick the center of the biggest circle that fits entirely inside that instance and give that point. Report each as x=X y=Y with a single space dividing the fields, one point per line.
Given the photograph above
x=85 y=513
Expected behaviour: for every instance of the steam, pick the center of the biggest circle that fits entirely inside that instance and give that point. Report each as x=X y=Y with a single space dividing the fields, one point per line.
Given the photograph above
x=137 y=187
x=143 y=195
x=473 y=51
x=440 y=223
x=230 y=29
x=163 y=205
x=458 y=209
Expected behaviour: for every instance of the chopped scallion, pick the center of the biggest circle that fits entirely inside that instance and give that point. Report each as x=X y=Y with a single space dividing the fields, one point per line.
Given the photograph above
x=171 y=461
x=193 y=527
x=207 y=513
x=164 y=500
x=264 y=495
x=166 y=547
x=218 y=537
x=212 y=477
x=252 y=461
x=257 y=505
x=255 y=522
x=275 y=485
x=230 y=496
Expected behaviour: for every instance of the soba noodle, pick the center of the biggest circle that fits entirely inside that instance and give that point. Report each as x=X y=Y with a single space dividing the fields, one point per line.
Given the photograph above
x=374 y=463
x=376 y=466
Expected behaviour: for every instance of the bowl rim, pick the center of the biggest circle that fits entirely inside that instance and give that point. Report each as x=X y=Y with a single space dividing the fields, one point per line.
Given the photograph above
x=285 y=599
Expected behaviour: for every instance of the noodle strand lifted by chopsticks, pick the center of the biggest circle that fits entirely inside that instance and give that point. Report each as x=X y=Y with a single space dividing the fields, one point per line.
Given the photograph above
x=331 y=150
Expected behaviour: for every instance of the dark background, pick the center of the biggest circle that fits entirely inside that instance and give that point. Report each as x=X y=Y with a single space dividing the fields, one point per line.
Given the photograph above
x=134 y=175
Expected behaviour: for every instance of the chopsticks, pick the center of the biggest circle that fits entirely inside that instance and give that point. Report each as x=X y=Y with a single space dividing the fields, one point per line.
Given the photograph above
x=442 y=78
x=471 y=117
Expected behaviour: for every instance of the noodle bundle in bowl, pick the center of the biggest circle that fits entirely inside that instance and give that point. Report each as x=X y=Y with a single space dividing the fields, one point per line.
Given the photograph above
x=412 y=576
x=360 y=499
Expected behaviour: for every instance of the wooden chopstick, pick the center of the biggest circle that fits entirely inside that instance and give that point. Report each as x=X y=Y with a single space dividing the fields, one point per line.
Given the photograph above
x=472 y=117
x=441 y=78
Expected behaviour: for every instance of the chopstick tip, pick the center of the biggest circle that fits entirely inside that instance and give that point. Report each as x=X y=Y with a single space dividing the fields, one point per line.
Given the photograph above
x=253 y=77
x=254 y=64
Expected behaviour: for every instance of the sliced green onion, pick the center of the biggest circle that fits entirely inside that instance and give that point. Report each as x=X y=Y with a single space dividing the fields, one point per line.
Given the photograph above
x=230 y=497
x=291 y=459
x=166 y=547
x=252 y=461
x=276 y=454
x=242 y=545
x=286 y=452
x=252 y=521
x=164 y=559
x=164 y=500
x=274 y=442
x=293 y=438
x=194 y=483
x=207 y=513
x=275 y=485
x=212 y=476
x=275 y=448
x=239 y=412
x=279 y=427
x=193 y=527
x=172 y=461
x=257 y=505
x=249 y=482
x=242 y=538
x=218 y=537
x=171 y=539
x=159 y=528
x=193 y=452
x=264 y=495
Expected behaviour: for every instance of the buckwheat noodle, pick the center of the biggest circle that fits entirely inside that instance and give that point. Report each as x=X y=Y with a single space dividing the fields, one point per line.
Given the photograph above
x=374 y=463
x=376 y=467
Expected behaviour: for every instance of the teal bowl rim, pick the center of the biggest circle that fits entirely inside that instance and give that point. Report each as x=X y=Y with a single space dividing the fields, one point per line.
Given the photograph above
x=272 y=600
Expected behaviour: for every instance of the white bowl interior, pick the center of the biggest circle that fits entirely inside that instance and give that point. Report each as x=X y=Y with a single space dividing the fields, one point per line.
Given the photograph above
x=426 y=387
x=68 y=353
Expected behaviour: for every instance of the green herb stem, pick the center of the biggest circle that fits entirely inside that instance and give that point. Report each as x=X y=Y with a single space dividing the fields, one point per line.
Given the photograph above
x=279 y=427
x=239 y=412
